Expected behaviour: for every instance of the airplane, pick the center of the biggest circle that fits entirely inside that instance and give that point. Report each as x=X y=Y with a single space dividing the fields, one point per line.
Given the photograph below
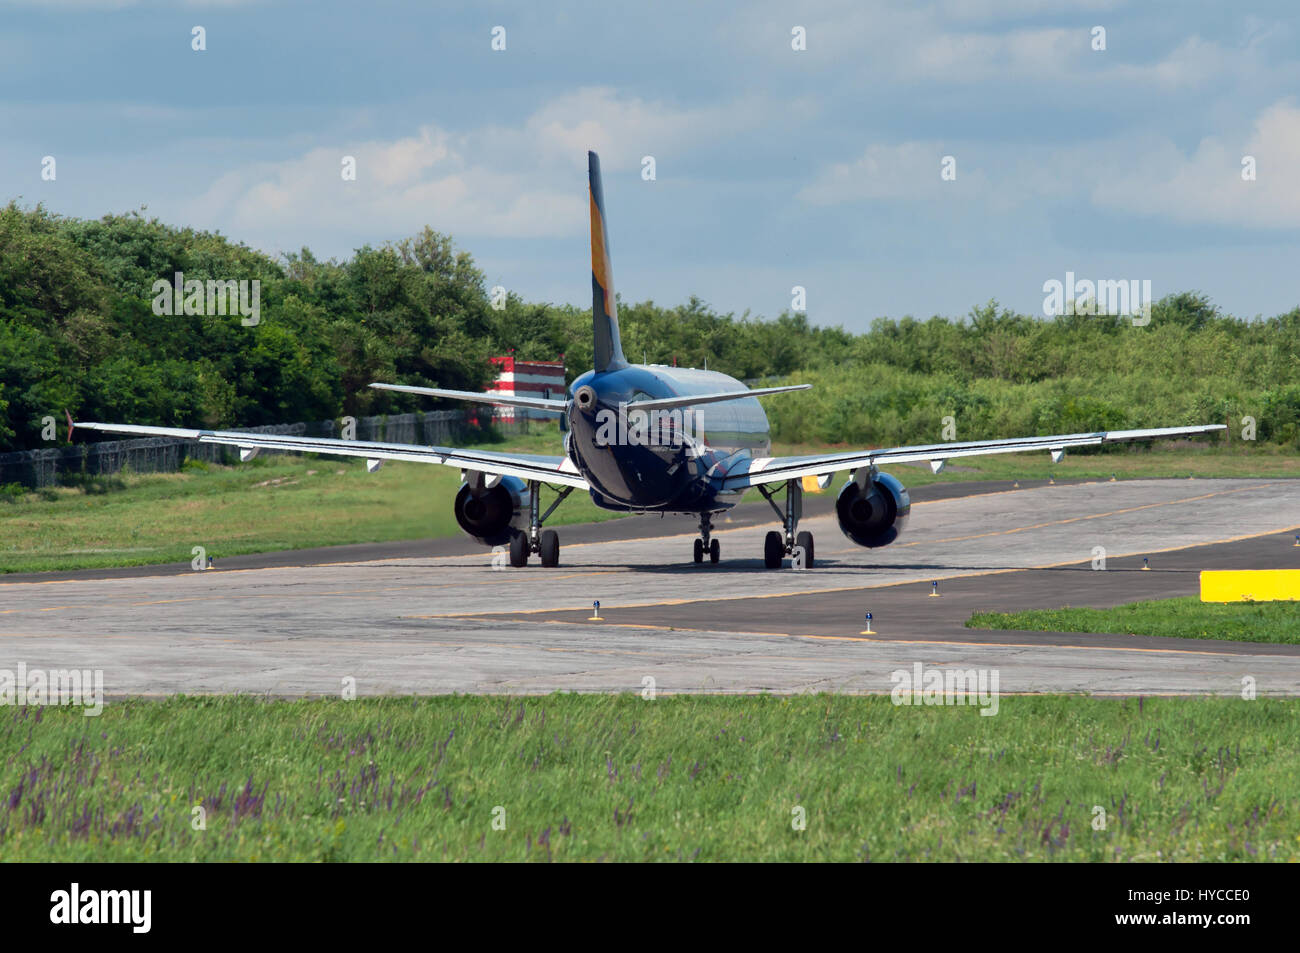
x=646 y=438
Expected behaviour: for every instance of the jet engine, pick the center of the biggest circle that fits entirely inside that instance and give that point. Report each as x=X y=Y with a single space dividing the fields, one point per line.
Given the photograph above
x=874 y=515
x=492 y=514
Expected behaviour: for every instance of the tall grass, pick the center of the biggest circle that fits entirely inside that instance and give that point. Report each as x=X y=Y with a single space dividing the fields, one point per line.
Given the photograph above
x=678 y=778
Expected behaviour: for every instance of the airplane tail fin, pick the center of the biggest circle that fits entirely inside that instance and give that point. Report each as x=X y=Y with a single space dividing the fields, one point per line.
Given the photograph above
x=608 y=349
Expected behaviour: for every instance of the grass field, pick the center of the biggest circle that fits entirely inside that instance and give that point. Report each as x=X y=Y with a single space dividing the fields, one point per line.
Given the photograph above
x=287 y=502
x=1187 y=618
x=678 y=778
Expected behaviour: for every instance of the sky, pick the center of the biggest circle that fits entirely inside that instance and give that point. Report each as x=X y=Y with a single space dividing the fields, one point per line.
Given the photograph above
x=1096 y=137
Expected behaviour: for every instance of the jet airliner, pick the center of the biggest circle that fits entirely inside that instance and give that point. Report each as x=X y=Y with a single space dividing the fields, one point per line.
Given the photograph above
x=647 y=438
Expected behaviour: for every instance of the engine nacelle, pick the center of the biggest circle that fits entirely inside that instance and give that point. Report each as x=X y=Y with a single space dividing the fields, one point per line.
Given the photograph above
x=493 y=514
x=874 y=516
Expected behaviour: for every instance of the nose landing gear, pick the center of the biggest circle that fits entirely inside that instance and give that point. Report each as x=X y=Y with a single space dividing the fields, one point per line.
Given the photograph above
x=706 y=544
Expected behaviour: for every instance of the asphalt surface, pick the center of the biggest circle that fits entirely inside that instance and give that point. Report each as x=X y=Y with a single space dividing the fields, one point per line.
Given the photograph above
x=437 y=616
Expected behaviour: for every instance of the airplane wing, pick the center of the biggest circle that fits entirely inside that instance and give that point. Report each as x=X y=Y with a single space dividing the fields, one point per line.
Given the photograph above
x=753 y=472
x=555 y=470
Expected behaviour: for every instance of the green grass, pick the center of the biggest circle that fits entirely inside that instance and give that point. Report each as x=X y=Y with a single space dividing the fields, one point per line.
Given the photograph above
x=1184 y=618
x=678 y=778
x=287 y=502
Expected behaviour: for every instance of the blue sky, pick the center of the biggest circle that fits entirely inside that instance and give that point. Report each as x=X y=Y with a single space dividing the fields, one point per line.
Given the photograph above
x=775 y=167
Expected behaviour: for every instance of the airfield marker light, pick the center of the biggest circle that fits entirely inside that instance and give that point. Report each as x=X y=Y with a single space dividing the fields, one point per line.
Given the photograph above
x=210 y=563
x=595 y=612
x=1297 y=539
x=867 y=630
x=1112 y=478
x=1016 y=485
x=1145 y=563
x=934 y=590
x=1051 y=481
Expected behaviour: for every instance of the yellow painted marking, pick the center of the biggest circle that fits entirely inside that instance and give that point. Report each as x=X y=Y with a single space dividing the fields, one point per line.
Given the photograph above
x=1250 y=585
x=163 y=602
x=510 y=691
x=1084 y=648
x=879 y=641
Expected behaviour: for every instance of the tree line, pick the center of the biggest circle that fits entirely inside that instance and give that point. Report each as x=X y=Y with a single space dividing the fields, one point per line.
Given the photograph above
x=78 y=332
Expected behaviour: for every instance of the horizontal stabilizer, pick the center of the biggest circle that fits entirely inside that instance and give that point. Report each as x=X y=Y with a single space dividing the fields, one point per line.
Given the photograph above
x=505 y=400
x=686 y=400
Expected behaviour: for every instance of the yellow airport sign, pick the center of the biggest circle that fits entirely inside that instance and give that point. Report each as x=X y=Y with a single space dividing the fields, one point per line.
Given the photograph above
x=1250 y=585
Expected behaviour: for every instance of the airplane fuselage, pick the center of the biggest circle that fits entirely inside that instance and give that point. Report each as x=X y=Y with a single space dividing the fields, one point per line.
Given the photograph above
x=669 y=461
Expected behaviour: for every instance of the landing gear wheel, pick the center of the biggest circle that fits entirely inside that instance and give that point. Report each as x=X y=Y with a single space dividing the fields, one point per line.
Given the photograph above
x=518 y=550
x=805 y=542
x=773 y=550
x=550 y=548
x=699 y=551
x=715 y=551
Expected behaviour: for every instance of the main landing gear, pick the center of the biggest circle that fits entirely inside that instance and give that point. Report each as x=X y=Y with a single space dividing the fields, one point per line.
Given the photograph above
x=546 y=543
x=706 y=544
x=776 y=546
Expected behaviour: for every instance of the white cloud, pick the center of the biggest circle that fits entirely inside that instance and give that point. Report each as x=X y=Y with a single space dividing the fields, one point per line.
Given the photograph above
x=1193 y=63
x=621 y=129
x=965 y=42
x=1010 y=9
x=517 y=182
x=1145 y=175
x=1206 y=186
x=981 y=56
x=906 y=171
x=400 y=186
